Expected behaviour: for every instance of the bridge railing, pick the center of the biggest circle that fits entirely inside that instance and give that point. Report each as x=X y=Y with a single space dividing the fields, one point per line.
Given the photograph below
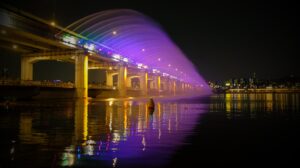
x=134 y=88
x=57 y=84
x=100 y=86
x=53 y=84
x=11 y=82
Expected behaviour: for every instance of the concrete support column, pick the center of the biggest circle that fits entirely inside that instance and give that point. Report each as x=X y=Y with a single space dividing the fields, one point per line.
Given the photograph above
x=129 y=82
x=163 y=84
x=174 y=88
x=154 y=82
x=157 y=83
x=181 y=86
x=81 y=76
x=109 y=78
x=186 y=87
x=170 y=85
x=122 y=76
x=144 y=83
x=189 y=87
x=151 y=84
x=26 y=68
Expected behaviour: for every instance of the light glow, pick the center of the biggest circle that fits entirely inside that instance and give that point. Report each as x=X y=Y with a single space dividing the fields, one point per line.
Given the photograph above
x=52 y=23
x=141 y=42
x=139 y=65
x=116 y=56
x=90 y=47
x=69 y=40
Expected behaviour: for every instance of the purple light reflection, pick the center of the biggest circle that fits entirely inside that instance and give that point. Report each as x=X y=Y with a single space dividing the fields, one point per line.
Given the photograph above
x=135 y=137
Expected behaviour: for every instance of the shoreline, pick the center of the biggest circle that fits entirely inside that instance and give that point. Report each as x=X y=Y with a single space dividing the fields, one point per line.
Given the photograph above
x=275 y=90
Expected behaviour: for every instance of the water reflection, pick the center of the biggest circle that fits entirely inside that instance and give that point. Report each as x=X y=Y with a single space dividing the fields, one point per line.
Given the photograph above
x=12 y=150
x=81 y=119
x=68 y=157
x=253 y=105
x=118 y=131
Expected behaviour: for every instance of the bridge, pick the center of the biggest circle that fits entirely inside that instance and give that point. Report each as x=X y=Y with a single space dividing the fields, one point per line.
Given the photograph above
x=132 y=50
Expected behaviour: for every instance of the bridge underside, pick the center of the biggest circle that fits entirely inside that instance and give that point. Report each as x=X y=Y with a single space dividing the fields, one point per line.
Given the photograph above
x=121 y=80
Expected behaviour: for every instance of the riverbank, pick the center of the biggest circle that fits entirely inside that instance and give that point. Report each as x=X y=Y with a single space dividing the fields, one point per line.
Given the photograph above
x=259 y=90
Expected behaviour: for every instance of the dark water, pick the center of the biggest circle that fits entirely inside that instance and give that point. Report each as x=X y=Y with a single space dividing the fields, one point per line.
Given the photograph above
x=237 y=130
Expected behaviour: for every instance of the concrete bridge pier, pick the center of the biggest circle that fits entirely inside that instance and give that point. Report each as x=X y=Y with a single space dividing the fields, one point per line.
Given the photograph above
x=129 y=79
x=157 y=83
x=109 y=77
x=144 y=83
x=173 y=86
x=188 y=87
x=26 y=68
x=128 y=83
x=170 y=86
x=122 y=78
x=151 y=84
x=164 y=85
x=182 y=87
x=81 y=76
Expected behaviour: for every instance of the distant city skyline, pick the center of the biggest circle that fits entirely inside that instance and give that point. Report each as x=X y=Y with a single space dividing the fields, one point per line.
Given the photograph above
x=223 y=40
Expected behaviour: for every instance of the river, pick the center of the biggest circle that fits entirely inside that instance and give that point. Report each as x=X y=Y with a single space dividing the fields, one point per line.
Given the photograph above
x=218 y=130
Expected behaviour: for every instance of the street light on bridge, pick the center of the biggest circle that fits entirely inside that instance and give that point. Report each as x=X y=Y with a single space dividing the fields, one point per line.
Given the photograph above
x=52 y=23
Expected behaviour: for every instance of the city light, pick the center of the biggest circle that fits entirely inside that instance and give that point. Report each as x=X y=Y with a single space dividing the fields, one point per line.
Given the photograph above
x=69 y=40
x=3 y=31
x=14 y=46
x=52 y=23
x=165 y=74
x=90 y=47
x=116 y=56
x=139 y=65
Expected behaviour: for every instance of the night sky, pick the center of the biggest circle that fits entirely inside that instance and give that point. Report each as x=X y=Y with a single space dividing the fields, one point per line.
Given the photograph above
x=224 y=39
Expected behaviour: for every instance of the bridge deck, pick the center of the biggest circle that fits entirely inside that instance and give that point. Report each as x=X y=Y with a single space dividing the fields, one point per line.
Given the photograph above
x=49 y=84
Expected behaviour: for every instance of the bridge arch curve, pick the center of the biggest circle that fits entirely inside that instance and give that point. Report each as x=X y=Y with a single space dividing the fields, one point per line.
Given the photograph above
x=138 y=39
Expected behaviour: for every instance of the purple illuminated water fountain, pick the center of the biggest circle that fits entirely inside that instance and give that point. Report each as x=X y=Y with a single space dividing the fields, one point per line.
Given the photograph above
x=129 y=36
